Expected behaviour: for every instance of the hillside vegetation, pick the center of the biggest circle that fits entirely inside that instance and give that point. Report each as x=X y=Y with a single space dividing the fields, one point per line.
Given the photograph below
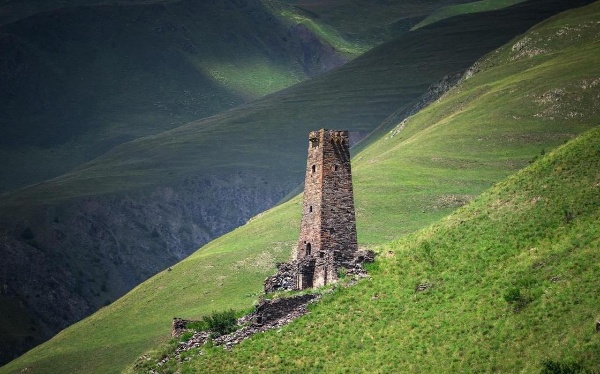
x=420 y=171
x=506 y=284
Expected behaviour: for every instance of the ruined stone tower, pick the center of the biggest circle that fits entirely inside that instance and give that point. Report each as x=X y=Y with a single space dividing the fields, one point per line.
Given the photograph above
x=328 y=230
x=327 y=240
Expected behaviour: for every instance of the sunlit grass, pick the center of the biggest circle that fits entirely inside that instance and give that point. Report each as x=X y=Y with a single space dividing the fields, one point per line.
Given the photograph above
x=251 y=77
x=323 y=31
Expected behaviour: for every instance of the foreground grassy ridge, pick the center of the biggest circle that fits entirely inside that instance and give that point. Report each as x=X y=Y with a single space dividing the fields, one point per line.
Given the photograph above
x=228 y=272
x=510 y=285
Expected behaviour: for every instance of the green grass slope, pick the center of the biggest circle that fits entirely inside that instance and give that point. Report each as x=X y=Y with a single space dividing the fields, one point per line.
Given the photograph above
x=527 y=97
x=228 y=272
x=510 y=285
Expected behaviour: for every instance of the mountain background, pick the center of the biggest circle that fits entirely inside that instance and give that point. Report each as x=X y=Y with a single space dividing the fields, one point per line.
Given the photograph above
x=86 y=237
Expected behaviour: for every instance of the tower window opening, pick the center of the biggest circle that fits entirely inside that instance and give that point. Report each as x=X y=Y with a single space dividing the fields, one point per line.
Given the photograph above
x=308 y=249
x=335 y=167
x=314 y=168
x=310 y=209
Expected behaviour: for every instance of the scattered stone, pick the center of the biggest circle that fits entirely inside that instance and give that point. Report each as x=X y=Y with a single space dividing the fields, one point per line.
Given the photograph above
x=178 y=326
x=268 y=314
x=423 y=286
x=597 y=326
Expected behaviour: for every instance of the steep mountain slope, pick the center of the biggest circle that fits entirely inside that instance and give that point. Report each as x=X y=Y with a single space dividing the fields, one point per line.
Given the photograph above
x=396 y=191
x=81 y=76
x=79 y=80
x=506 y=284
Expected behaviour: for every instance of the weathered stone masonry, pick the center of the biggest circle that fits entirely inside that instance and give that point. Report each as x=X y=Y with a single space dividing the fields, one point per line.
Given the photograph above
x=328 y=230
x=327 y=240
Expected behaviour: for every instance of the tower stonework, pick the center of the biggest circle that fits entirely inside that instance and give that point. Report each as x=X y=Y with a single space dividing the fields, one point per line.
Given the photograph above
x=328 y=229
x=327 y=241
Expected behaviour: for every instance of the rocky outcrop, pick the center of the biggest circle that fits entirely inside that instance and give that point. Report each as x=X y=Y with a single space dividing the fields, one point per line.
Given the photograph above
x=435 y=91
x=66 y=261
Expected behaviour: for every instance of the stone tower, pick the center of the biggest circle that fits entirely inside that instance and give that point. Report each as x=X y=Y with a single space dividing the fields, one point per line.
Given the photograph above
x=327 y=240
x=328 y=230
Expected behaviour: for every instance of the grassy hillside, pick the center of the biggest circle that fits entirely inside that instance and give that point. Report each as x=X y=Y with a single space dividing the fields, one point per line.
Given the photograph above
x=469 y=140
x=510 y=286
x=84 y=77
x=527 y=97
